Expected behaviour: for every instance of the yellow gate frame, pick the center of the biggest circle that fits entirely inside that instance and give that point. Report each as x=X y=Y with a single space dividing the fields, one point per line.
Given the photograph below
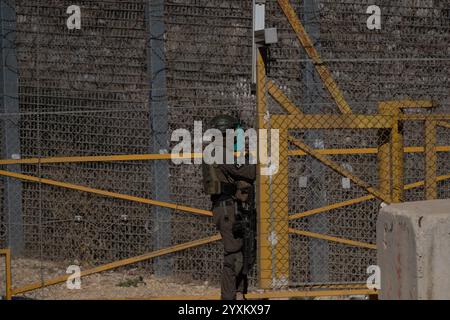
x=273 y=256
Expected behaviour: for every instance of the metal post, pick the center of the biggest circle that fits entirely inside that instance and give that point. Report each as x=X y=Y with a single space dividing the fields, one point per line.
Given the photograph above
x=391 y=155
x=317 y=197
x=8 y=274
x=391 y=147
x=10 y=125
x=384 y=162
x=259 y=9
x=272 y=198
x=397 y=158
x=280 y=215
x=430 y=160
x=384 y=155
x=262 y=194
x=159 y=124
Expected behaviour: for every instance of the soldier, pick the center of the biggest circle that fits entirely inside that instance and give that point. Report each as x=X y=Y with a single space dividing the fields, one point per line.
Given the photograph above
x=232 y=196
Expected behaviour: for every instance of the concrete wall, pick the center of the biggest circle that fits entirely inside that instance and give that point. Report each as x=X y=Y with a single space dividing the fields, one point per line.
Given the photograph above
x=413 y=242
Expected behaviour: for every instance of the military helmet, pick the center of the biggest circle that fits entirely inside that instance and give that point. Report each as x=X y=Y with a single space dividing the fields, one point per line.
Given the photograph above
x=224 y=122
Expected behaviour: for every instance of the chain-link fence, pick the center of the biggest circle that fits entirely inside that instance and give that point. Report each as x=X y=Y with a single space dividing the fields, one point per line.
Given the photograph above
x=337 y=170
x=354 y=108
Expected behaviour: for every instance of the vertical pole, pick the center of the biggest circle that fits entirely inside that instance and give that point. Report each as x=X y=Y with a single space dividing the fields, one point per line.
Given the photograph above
x=9 y=96
x=8 y=274
x=259 y=11
x=430 y=160
x=159 y=124
x=384 y=155
x=384 y=162
x=272 y=198
x=391 y=155
x=262 y=182
x=397 y=158
x=280 y=213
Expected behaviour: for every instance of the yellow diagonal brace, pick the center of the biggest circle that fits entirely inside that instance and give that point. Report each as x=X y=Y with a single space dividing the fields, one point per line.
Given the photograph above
x=119 y=263
x=444 y=124
x=422 y=183
x=281 y=98
x=330 y=207
x=128 y=157
x=110 y=158
x=409 y=104
x=356 y=200
x=333 y=239
x=339 y=169
x=323 y=71
x=105 y=193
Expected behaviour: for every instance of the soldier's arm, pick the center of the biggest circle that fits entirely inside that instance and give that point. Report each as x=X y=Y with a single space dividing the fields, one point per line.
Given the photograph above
x=245 y=172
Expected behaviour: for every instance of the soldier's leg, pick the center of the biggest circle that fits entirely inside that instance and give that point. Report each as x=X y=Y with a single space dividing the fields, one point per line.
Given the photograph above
x=231 y=275
x=241 y=278
x=224 y=216
x=228 y=281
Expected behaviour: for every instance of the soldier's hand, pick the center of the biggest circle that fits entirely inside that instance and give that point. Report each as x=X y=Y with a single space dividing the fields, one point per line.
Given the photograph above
x=238 y=229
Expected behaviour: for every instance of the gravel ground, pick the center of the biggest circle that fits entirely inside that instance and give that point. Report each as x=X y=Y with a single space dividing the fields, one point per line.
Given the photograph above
x=116 y=284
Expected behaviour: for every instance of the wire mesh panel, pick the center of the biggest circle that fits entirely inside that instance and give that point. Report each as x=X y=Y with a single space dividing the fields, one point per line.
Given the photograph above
x=327 y=60
x=208 y=54
x=83 y=93
x=353 y=111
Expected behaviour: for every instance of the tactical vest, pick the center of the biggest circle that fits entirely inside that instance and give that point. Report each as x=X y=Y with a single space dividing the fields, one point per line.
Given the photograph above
x=214 y=183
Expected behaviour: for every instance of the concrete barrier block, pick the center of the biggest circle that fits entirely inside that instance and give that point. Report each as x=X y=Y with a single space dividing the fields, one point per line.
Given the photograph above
x=413 y=242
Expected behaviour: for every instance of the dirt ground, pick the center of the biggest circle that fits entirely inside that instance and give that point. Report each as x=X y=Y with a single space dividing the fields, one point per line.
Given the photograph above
x=121 y=284
x=131 y=283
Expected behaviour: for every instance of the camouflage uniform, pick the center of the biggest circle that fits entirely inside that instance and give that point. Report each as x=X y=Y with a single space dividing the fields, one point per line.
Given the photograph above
x=230 y=186
x=225 y=210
